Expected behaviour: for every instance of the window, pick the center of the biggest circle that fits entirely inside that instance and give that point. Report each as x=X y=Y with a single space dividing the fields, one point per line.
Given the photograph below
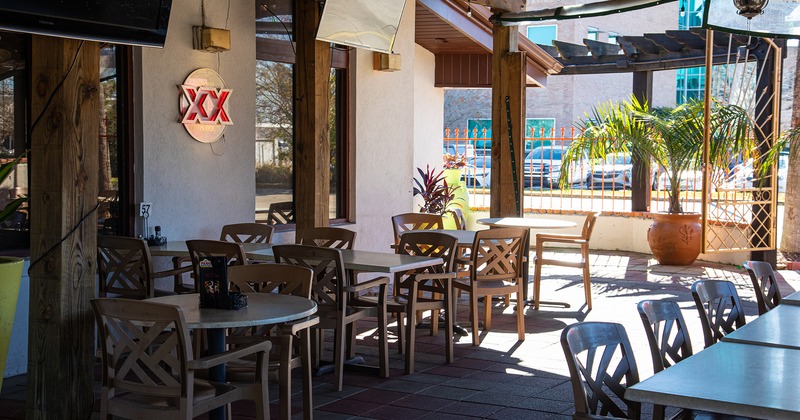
x=691 y=84
x=593 y=33
x=690 y=14
x=274 y=145
x=612 y=37
x=542 y=34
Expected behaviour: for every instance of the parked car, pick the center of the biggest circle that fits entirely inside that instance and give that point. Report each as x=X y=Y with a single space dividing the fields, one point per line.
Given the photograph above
x=614 y=171
x=690 y=180
x=543 y=168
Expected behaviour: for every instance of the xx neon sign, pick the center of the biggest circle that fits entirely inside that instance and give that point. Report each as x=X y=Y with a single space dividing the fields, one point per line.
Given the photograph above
x=204 y=105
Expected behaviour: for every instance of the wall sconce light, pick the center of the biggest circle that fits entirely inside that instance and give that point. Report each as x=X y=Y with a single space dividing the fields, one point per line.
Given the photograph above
x=211 y=39
x=750 y=8
x=385 y=62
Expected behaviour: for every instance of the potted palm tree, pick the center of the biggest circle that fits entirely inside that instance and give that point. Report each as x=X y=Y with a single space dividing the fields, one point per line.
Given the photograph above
x=10 y=274
x=672 y=139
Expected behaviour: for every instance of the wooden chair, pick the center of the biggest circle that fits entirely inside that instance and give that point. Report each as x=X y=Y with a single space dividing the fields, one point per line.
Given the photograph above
x=459 y=217
x=149 y=370
x=338 y=304
x=293 y=340
x=768 y=294
x=247 y=233
x=125 y=268
x=436 y=281
x=582 y=240
x=415 y=221
x=280 y=213
x=666 y=332
x=720 y=308
x=495 y=269
x=198 y=248
x=326 y=237
x=601 y=367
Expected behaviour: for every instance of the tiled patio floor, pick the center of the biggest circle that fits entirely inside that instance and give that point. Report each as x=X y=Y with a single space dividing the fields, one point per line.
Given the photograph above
x=504 y=378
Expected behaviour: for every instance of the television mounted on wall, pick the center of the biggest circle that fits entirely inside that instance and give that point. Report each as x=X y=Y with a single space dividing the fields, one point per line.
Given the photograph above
x=368 y=24
x=132 y=22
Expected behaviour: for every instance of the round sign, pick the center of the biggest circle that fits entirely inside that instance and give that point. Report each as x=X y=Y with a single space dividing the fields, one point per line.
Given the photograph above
x=204 y=105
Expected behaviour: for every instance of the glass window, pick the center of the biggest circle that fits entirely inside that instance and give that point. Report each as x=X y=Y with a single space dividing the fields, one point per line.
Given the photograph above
x=543 y=34
x=612 y=37
x=593 y=33
x=274 y=145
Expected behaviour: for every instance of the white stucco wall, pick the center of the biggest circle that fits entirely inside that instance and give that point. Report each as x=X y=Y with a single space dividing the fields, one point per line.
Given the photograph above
x=428 y=115
x=195 y=188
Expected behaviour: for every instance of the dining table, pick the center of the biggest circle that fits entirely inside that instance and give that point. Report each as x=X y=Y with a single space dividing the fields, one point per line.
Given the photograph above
x=777 y=328
x=792 y=299
x=262 y=309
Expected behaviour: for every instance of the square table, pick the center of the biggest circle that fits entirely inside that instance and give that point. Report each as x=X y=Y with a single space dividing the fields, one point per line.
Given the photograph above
x=729 y=378
x=793 y=299
x=777 y=328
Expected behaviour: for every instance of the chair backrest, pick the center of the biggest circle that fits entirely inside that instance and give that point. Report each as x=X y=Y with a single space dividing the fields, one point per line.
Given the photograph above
x=666 y=332
x=326 y=237
x=272 y=278
x=124 y=267
x=330 y=281
x=280 y=213
x=497 y=254
x=719 y=307
x=247 y=233
x=198 y=248
x=430 y=244
x=601 y=367
x=459 y=217
x=145 y=349
x=415 y=221
x=588 y=225
x=765 y=284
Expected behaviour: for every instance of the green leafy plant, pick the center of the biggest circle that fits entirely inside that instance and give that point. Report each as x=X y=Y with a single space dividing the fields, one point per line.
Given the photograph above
x=14 y=205
x=455 y=161
x=671 y=138
x=437 y=196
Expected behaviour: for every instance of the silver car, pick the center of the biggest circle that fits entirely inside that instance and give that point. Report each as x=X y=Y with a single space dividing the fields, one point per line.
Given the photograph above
x=613 y=172
x=543 y=168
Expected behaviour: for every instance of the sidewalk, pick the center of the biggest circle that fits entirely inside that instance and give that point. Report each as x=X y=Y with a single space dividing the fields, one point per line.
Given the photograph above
x=503 y=378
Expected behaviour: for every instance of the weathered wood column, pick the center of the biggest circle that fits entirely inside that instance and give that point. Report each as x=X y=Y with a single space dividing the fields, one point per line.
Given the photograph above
x=312 y=156
x=63 y=191
x=640 y=169
x=508 y=99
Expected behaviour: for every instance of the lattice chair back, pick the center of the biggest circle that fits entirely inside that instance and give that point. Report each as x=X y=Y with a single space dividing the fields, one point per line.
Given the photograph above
x=280 y=213
x=247 y=233
x=720 y=308
x=233 y=252
x=326 y=237
x=497 y=254
x=768 y=295
x=666 y=332
x=124 y=267
x=272 y=278
x=415 y=221
x=601 y=366
x=330 y=281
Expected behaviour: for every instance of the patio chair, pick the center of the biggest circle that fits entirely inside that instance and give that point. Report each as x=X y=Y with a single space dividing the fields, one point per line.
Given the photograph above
x=436 y=281
x=280 y=213
x=293 y=339
x=339 y=306
x=415 y=221
x=768 y=295
x=582 y=240
x=719 y=307
x=125 y=269
x=601 y=367
x=459 y=217
x=496 y=260
x=666 y=332
x=326 y=237
x=149 y=370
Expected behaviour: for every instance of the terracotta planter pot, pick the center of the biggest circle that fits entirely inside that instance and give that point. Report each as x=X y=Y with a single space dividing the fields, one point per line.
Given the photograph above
x=675 y=238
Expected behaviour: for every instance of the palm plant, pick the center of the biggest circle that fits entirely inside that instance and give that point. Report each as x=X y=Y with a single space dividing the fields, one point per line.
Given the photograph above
x=670 y=138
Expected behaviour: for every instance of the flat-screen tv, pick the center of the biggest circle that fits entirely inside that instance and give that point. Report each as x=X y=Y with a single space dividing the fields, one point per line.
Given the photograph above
x=133 y=22
x=368 y=24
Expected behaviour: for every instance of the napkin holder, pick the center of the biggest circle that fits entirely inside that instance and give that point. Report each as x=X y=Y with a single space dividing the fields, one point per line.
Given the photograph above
x=214 y=287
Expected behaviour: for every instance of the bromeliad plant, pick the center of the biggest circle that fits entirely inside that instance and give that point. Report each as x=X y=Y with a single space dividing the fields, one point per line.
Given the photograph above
x=670 y=138
x=14 y=205
x=437 y=196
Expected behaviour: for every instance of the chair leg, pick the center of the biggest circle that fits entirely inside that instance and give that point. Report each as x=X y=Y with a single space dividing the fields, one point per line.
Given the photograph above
x=305 y=356
x=285 y=377
x=338 y=352
x=411 y=312
x=520 y=314
x=449 y=319
x=473 y=313
x=537 y=282
x=487 y=313
x=351 y=340
x=401 y=332
x=383 y=337
x=587 y=280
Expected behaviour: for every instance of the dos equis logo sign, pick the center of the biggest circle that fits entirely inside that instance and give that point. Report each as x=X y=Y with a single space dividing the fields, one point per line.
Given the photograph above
x=204 y=105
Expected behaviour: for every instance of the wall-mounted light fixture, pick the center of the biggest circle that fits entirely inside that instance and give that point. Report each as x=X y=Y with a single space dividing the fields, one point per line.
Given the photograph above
x=385 y=62
x=211 y=39
x=750 y=8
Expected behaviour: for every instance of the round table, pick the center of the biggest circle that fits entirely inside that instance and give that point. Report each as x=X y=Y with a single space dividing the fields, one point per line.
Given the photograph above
x=526 y=222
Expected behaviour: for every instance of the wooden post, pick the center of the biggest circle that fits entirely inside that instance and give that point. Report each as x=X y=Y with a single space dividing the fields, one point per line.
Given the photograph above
x=64 y=169
x=508 y=81
x=312 y=156
x=640 y=169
